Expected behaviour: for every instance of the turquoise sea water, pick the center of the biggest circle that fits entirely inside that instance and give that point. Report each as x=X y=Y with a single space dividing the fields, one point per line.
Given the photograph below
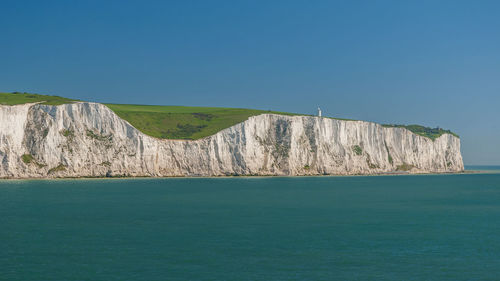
x=433 y=227
x=483 y=168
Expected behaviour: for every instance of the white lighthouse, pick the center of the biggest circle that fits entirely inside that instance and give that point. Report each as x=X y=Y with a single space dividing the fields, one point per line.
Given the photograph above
x=319 y=112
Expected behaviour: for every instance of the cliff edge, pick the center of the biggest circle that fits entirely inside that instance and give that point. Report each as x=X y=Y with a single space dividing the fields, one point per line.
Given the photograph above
x=89 y=140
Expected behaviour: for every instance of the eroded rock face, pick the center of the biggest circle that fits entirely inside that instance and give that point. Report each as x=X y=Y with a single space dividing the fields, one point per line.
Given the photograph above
x=89 y=140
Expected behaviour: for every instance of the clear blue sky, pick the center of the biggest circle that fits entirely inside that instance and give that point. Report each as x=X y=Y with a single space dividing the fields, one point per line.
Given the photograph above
x=435 y=63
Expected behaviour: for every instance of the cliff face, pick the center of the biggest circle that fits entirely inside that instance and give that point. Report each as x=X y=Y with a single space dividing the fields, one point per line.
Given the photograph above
x=88 y=139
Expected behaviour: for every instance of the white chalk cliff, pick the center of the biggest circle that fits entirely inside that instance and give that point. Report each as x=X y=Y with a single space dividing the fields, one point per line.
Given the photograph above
x=89 y=140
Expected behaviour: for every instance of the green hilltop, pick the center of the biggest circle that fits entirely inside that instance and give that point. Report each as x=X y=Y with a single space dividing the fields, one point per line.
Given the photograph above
x=432 y=133
x=184 y=122
x=22 y=98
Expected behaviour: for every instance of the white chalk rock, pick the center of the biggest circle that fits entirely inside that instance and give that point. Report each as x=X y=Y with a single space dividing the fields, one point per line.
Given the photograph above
x=89 y=140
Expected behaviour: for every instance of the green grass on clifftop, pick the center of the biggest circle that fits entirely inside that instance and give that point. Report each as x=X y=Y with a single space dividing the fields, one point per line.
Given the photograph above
x=432 y=133
x=22 y=98
x=183 y=122
x=186 y=122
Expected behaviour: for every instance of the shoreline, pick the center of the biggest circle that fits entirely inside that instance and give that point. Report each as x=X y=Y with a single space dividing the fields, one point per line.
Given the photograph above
x=465 y=172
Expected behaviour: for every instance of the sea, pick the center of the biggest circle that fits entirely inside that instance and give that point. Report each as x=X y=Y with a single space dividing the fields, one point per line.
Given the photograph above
x=393 y=227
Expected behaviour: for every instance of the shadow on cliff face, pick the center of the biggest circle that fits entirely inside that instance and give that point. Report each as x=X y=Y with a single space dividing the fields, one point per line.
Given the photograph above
x=282 y=139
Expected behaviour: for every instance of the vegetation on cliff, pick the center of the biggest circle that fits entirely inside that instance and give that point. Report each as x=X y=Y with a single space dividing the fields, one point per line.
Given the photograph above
x=22 y=98
x=432 y=133
x=185 y=122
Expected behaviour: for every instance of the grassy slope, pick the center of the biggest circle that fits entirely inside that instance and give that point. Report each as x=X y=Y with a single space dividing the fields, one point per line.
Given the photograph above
x=22 y=98
x=432 y=133
x=183 y=122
